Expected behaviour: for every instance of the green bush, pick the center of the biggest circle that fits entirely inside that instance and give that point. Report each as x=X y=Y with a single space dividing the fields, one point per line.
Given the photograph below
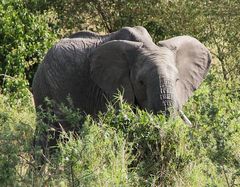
x=16 y=131
x=217 y=126
x=125 y=147
x=122 y=148
x=24 y=39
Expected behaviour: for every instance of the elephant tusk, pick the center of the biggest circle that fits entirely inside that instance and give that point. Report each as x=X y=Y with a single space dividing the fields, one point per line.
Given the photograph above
x=184 y=118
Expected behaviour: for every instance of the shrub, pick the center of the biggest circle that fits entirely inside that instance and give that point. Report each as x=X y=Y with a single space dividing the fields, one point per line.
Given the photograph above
x=121 y=148
x=217 y=130
x=16 y=131
x=124 y=147
x=24 y=39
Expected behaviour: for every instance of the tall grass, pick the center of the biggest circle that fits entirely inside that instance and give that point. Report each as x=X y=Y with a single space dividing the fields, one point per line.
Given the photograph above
x=126 y=147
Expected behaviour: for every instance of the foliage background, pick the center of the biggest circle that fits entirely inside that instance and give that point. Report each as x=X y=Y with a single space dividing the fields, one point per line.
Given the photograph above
x=132 y=149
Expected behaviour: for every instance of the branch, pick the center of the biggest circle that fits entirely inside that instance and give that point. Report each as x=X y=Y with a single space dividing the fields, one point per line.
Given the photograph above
x=103 y=16
x=8 y=76
x=225 y=175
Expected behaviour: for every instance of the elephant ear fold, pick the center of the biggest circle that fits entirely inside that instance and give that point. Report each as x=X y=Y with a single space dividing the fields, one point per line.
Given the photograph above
x=110 y=67
x=193 y=60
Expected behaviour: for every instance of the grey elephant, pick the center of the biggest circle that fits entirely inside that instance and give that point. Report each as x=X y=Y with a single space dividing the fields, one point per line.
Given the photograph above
x=90 y=68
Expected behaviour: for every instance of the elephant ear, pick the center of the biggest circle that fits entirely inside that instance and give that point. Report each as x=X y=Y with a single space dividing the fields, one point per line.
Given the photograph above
x=192 y=61
x=110 y=66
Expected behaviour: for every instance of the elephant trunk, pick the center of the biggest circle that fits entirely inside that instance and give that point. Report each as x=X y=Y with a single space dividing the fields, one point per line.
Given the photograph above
x=163 y=99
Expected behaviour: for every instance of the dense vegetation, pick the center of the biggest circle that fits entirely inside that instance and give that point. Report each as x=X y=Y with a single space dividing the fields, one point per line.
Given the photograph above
x=122 y=147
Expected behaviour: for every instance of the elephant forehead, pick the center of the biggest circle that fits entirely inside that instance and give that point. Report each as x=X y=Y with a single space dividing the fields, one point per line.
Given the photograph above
x=160 y=61
x=157 y=56
x=165 y=54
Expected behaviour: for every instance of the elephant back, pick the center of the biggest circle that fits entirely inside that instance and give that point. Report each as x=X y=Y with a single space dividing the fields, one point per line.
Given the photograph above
x=64 y=66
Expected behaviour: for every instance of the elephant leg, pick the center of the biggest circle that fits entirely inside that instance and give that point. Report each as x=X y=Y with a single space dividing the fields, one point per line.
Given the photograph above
x=47 y=134
x=45 y=142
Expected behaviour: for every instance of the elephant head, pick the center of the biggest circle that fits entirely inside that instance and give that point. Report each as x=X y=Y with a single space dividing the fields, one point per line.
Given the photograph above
x=155 y=77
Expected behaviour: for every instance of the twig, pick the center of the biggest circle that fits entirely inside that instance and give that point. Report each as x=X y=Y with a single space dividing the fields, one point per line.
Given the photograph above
x=225 y=175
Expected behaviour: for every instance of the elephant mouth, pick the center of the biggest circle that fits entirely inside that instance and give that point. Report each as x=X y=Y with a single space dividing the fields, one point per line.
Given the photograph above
x=180 y=113
x=166 y=108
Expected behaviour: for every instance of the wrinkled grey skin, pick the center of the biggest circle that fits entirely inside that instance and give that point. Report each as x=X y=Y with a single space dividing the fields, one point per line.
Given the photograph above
x=90 y=68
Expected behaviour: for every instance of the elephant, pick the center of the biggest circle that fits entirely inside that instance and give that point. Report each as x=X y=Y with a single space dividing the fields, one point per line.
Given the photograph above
x=90 y=68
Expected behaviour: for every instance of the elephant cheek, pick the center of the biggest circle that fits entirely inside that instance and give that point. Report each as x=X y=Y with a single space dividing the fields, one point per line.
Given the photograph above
x=141 y=103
